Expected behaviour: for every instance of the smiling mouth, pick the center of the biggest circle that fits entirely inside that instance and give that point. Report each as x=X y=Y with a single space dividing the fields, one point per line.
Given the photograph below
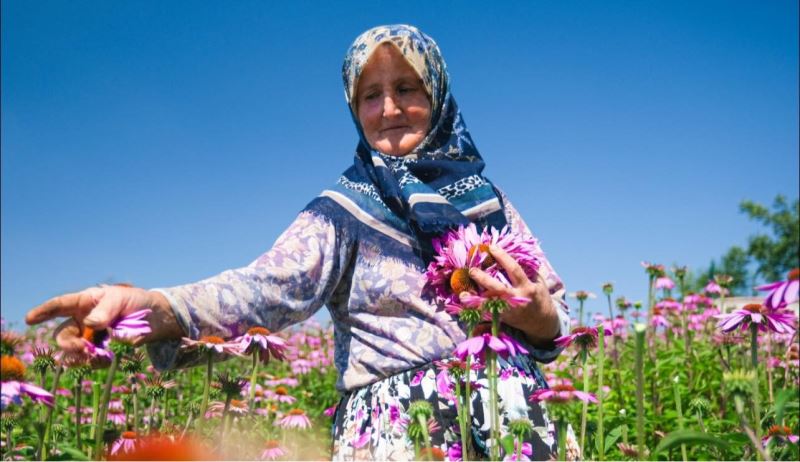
x=390 y=129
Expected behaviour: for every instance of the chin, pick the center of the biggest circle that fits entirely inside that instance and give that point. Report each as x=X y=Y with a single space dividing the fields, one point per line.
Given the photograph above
x=398 y=148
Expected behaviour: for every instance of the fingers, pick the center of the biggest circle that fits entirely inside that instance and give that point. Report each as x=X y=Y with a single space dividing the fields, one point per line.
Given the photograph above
x=486 y=281
x=107 y=309
x=74 y=304
x=515 y=272
x=68 y=337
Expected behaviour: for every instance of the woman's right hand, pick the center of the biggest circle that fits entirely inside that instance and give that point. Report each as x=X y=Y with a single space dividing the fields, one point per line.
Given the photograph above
x=97 y=307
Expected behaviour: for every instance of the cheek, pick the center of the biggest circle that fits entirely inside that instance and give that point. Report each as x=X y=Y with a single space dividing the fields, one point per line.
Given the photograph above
x=367 y=117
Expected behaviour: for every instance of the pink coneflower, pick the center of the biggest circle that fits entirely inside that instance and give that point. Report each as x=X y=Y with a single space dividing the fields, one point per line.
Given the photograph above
x=781 y=433
x=525 y=452
x=669 y=304
x=653 y=270
x=125 y=443
x=130 y=326
x=262 y=339
x=779 y=321
x=209 y=343
x=280 y=394
x=664 y=282
x=476 y=346
x=301 y=366
x=329 y=412
x=658 y=318
x=296 y=418
x=584 y=337
x=13 y=384
x=581 y=295
x=272 y=450
x=713 y=288
x=560 y=394
x=459 y=250
x=782 y=293
x=475 y=301
x=454 y=453
x=117 y=417
x=236 y=407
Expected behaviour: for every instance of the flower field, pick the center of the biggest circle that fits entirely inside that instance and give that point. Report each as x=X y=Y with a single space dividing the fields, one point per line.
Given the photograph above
x=669 y=378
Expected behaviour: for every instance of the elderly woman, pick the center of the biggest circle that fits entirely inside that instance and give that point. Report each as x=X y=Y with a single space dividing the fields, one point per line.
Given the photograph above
x=361 y=248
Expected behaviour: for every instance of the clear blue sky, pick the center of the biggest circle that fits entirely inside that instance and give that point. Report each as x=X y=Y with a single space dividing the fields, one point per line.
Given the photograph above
x=163 y=142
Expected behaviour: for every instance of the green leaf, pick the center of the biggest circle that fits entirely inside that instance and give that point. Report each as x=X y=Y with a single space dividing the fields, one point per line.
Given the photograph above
x=69 y=453
x=780 y=403
x=508 y=443
x=689 y=437
x=612 y=437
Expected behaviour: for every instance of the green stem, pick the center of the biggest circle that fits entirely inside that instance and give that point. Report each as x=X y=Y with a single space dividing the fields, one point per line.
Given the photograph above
x=754 y=346
x=95 y=407
x=462 y=424
x=225 y=418
x=680 y=416
x=423 y=424
x=580 y=312
x=253 y=381
x=562 y=439
x=494 y=409
x=585 y=409
x=519 y=449
x=640 y=333
x=78 y=393
x=100 y=424
x=207 y=386
x=135 y=391
x=600 y=363
x=41 y=451
x=466 y=448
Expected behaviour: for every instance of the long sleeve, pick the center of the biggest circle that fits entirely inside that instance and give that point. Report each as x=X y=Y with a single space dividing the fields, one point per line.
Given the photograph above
x=554 y=285
x=284 y=286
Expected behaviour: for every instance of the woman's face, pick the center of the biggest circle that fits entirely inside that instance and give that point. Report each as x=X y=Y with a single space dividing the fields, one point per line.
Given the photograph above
x=392 y=104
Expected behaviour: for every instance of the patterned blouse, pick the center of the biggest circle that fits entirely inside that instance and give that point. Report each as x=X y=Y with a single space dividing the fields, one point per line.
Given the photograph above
x=383 y=324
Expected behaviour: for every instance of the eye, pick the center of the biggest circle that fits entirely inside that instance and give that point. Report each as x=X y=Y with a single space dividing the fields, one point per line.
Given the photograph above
x=370 y=95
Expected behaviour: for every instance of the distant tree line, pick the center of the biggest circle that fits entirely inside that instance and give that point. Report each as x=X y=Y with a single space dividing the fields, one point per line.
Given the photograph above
x=767 y=257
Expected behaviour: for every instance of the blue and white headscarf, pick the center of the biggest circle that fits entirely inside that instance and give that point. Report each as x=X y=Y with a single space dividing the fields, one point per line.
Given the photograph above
x=439 y=184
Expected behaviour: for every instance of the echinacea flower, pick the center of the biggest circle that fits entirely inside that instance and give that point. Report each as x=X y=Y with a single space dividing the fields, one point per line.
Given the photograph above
x=261 y=338
x=560 y=394
x=130 y=326
x=780 y=433
x=779 y=321
x=125 y=443
x=782 y=293
x=477 y=345
x=664 y=282
x=525 y=452
x=653 y=270
x=581 y=295
x=462 y=249
x=585 y=337
x=13 y=384
x=272 y=450
x=713 y=288
x=280 y=394
x=296 y=418
x=161 y=447
x=209 y=343
x=235 y=407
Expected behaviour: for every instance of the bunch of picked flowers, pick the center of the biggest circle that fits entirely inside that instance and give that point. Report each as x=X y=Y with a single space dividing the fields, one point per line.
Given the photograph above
x=450 y=278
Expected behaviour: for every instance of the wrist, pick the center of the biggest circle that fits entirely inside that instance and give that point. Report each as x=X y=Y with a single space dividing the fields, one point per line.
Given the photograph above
x=163 y=322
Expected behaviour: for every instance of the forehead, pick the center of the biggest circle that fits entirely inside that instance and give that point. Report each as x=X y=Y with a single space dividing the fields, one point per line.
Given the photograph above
x=386 y=63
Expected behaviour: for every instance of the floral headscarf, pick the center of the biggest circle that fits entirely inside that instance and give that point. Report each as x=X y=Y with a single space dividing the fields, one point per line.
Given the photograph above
x=438 y=185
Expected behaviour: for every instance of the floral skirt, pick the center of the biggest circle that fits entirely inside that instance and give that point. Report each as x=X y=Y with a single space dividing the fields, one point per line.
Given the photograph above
x=370 y=422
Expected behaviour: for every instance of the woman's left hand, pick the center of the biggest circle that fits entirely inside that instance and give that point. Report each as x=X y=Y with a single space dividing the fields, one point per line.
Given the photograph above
x=539 y=318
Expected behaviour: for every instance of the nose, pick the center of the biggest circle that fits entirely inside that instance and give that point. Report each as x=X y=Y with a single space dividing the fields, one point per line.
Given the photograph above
x=390 y=108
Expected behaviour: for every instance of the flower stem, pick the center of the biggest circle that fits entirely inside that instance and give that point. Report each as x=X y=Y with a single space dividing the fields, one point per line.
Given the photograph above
x=253 y=375
x=423 y=424
x=41 y=451
x=135 y=392
x=207 y=386
x=680 y=416
x=585 y=409
x=460 y=410
x=101 y=419
x=226 y=418
x=580 y=312
x=600 y=363
x=519 y=449
x=754 y=346
x=78 y=393
x=640 y=333
x=495 y=414
x=562 y=439
x=466 y=447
